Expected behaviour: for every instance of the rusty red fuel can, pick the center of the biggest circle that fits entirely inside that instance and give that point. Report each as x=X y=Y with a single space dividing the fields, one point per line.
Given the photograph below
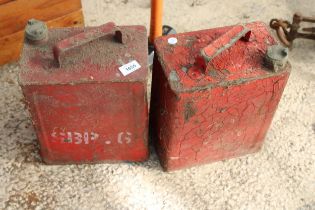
x=215 y=92
x=86 y=90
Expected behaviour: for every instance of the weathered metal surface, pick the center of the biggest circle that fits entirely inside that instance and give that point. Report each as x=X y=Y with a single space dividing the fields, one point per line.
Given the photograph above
x=36 y=30
x=225 y=41
x=219 y=114
x=287 y=31
x=203 y=64
x=83 y=109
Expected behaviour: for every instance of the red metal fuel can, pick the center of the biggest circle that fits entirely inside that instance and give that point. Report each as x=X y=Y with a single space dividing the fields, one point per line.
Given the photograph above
x=86 y=90
x=215 y=92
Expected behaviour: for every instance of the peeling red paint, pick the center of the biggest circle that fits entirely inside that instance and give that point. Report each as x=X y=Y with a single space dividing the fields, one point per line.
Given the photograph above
x=85 y=110
x=231 y=112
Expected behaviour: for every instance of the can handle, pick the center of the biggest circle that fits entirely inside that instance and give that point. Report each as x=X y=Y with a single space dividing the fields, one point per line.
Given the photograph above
x=79 y=40
x=224 y=42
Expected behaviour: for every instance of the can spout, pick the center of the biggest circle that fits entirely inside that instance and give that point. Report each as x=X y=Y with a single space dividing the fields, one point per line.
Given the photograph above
x=36 y=31
x=276 y=57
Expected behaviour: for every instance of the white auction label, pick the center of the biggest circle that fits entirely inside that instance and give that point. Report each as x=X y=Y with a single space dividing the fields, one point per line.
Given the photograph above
x=129 y=67
x=172 y=40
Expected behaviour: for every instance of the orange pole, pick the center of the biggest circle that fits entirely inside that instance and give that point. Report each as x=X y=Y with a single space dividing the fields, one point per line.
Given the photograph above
x=156 y=19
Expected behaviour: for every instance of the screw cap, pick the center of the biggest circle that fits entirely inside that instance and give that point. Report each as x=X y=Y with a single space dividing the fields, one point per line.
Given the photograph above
x=276 y=57
x=36 y=30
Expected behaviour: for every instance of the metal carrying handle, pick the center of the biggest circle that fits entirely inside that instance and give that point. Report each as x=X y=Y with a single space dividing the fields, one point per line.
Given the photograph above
x=224 y=42
x=79 y=40
x=203 y=62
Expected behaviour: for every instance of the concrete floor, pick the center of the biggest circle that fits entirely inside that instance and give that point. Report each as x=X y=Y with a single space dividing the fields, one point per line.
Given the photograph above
x=281 y=176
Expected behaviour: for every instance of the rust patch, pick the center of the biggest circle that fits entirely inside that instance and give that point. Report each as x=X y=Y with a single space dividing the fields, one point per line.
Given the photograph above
x=32 y=199
x=28 y=200
x=190 y=111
